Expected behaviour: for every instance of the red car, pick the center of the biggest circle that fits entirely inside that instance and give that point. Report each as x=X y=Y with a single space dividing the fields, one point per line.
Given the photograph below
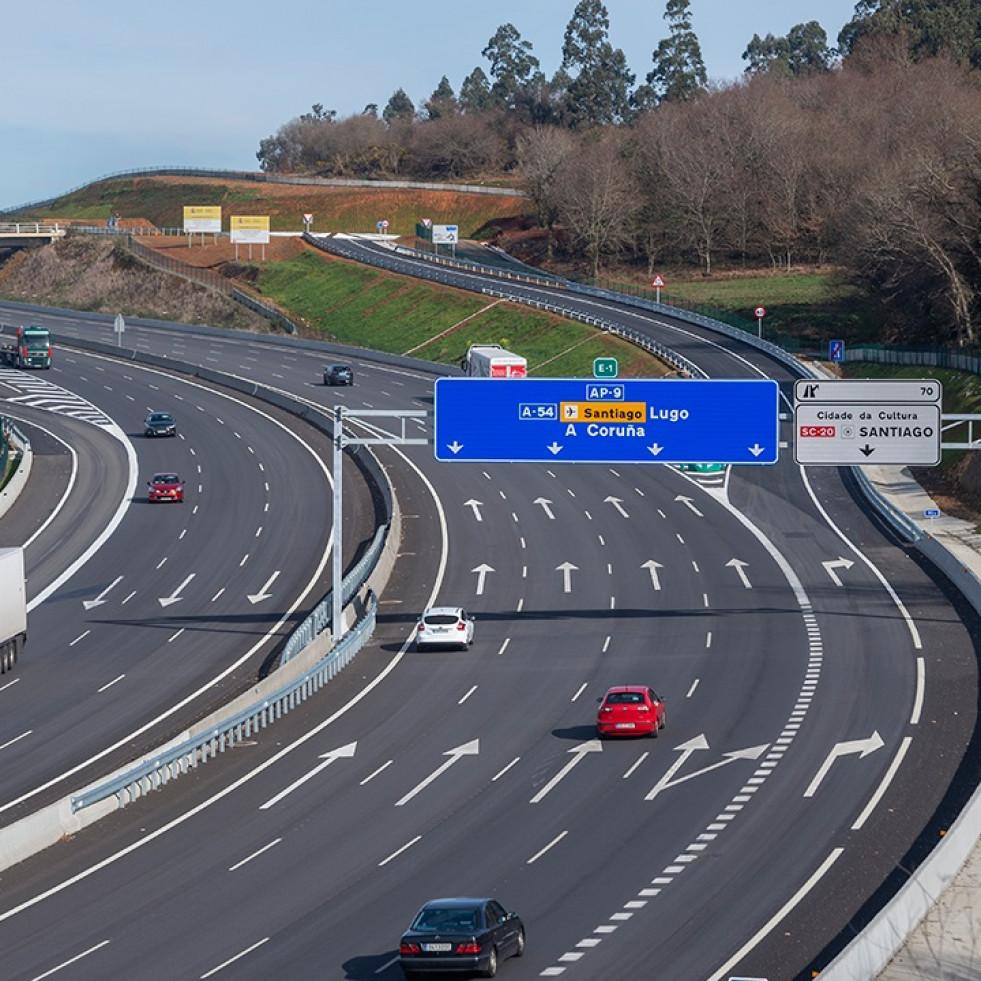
x=166 y=487
x=630 y=710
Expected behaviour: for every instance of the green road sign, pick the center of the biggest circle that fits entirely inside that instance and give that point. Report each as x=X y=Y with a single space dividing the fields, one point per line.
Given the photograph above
x=605 y=368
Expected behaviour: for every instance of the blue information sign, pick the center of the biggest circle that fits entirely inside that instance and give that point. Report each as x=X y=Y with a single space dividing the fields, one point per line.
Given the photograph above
x=836 y=350
x=575 y=420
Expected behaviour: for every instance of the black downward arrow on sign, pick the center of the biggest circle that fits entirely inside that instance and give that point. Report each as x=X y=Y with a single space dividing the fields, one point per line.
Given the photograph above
x=867 y=450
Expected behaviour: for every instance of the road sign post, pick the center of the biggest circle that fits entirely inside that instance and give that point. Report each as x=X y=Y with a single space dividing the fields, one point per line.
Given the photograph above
x=575 y=420
x=759 y=313
x=658 y=284
x=854 y=421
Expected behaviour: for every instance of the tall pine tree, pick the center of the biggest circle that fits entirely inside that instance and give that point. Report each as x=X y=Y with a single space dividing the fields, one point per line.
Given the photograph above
x=679 y=71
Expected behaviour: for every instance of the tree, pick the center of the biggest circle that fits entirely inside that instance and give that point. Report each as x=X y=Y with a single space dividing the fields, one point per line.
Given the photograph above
x=926 y=27
x=399 y=107
x=512 y=66
x=803 y=51
x=443 y=101
x=475 y=92
x=679 y=71
x=541 y=153
x=597 y=199
x=599 y=92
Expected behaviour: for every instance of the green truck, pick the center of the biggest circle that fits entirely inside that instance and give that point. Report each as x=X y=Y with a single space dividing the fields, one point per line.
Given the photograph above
x=31 y=348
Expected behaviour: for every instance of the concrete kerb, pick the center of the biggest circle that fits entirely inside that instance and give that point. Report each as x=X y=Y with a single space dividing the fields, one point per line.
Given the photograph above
x=18 y=481
x=45 y=827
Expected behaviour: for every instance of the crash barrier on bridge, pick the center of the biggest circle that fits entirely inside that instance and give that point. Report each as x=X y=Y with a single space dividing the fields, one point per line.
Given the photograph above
x=188 y=754
x=17 y=444
x=259 y=177
x=30 y=229
x=316 y=662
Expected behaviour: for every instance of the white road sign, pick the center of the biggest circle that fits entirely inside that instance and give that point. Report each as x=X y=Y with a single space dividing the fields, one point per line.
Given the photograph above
x=919 y=390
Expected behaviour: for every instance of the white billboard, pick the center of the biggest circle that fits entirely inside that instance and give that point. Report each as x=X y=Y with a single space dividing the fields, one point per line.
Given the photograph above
x=446 y=234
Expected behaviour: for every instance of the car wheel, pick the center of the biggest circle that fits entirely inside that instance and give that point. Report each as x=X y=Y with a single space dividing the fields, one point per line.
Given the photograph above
x=491 y=970
x=654 y=731
x=519 y=947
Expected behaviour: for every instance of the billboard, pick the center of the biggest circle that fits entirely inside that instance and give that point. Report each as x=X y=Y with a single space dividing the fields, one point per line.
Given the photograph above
x=250 y=228
x=446 y=234
x=201 y=218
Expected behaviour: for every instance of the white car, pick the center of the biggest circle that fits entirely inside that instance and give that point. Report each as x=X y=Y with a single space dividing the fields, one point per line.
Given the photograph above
x=444 y=626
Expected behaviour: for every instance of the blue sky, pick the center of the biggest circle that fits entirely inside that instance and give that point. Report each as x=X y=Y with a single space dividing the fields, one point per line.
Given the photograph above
x=100 y=86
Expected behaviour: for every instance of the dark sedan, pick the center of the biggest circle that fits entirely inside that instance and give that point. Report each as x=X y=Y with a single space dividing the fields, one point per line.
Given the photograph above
x=462 y=935
x=338 y=374
x=159 y=424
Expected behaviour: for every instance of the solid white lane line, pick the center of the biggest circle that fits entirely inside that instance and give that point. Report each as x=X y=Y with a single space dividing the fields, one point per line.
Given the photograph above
x=883 y=786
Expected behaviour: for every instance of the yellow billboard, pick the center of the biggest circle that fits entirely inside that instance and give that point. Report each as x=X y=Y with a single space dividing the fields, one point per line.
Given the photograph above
x=249 y=228
x=202 y=218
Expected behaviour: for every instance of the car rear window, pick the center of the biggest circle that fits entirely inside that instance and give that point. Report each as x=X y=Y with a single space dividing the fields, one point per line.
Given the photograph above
x=624 y=698
x=446 y=919
x=439 y=619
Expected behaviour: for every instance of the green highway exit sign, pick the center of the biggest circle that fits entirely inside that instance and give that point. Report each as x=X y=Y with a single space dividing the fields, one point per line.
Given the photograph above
x=605 y=367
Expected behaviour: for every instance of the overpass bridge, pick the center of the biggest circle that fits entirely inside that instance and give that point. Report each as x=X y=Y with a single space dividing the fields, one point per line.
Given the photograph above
x=24 y=234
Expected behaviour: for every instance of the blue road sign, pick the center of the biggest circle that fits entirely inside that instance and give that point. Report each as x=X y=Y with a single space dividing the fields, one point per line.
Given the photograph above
x=836 y=350
x=576 y=420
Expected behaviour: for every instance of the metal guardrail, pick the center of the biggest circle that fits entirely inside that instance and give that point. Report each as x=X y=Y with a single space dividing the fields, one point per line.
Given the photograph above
x=188 y=755
x=30 y=228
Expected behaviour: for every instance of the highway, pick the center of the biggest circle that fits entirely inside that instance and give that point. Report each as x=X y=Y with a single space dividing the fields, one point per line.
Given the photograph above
x=821 y=692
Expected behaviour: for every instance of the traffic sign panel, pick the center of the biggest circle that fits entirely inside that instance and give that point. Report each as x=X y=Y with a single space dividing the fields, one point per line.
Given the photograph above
x=576 y=420
x=885 y=390
x=903 y=434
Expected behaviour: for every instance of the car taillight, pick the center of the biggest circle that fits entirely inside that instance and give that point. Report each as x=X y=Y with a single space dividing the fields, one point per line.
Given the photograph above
x=406 y=948
x=606 y=708
x=461 y=626
x=422 y=626
x=468 y=948
x=643 y=708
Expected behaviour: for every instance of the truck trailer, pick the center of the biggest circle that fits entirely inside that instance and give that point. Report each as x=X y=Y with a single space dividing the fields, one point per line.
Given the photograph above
x=492 y=361
x=31 y=348
x=13 y=607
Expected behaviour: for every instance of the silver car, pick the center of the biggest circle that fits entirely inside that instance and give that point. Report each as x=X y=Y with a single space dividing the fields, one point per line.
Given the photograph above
x=444 y=626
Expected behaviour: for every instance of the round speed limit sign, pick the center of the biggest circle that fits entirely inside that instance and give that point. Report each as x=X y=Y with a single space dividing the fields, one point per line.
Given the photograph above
x=760 y=312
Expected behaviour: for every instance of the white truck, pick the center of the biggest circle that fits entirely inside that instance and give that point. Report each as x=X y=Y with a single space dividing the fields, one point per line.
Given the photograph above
x=492 y=361
x=13 y=607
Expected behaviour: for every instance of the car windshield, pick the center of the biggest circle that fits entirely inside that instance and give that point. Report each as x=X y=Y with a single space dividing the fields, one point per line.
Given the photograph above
x=440 y=619
x=624 y=698
x=463 y=919
x=160 y=417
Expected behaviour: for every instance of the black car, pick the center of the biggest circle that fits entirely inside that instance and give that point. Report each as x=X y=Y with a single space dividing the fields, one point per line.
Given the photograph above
x=460 y=935
x=159 y=424
x=338 y=374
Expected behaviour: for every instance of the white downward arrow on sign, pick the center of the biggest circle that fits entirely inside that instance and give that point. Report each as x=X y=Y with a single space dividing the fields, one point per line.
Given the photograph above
x=454 y=447
x=264 y=593
x=471 y=748
x=175 y=596
x=555 y=448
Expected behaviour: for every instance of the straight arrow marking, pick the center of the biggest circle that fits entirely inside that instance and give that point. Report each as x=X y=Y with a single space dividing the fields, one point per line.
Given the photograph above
x=617 y=503
x=175 y=597
x=592 y=746
x=653 y=566
x=567 y=568
x=482 y=571
x=545 y=507
x=100 y=599
x=740 y=566
x=264 y=593
x=345 y=752
x=690 y=504
x=476 y=505
x=471 y=748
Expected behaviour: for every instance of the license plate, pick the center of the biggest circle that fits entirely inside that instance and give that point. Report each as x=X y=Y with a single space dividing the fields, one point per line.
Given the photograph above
x=437 y=948
x=625 y=725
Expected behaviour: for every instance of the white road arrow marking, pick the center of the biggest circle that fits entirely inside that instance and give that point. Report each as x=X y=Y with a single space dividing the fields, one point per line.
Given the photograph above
x=690 y=504
x=567 y=568
x=861 y=746
x=555 y=448
x=471 y=748
x=264 y=593
x=175 y=596
x=693 y=745
x=739 y=566
x=839 y=563
x=454 y=447
x=345 y=752
x=653 y=566
x=482 y=571
x=100 y=599
x=617 y=503
x=751 y=753
x=592 y=746
x=476 y=505
x=545 y=507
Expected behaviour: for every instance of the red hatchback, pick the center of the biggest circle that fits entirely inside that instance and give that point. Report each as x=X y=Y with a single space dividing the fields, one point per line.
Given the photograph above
x=630 y=710
x=166 y=487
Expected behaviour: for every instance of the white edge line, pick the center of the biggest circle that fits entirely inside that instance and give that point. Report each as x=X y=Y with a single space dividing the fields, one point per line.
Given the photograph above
x=886 y=780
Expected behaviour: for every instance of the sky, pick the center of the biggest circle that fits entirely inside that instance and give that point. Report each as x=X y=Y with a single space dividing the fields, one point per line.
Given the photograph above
x=97 y=87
